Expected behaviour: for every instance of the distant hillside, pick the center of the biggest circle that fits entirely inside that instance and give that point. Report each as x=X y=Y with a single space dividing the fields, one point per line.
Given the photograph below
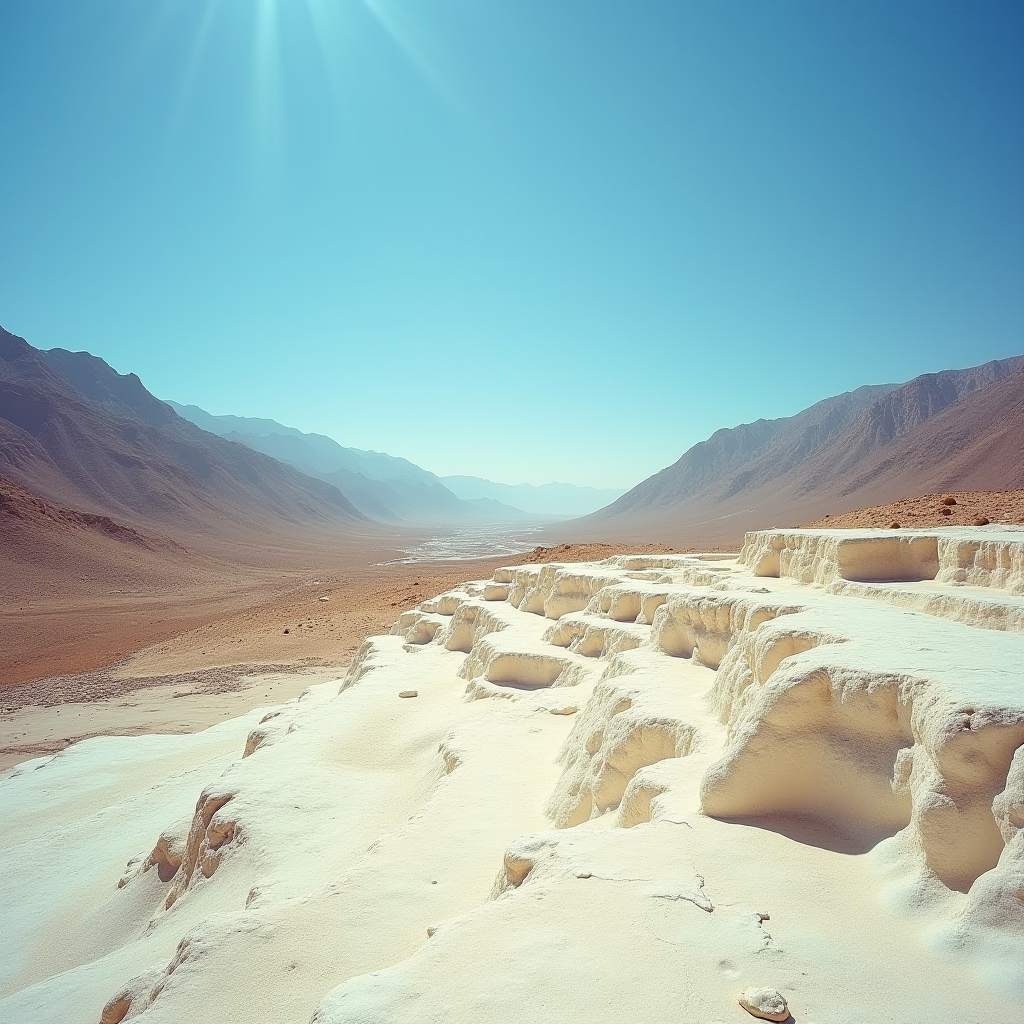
x=381 y=486
x=544 y=499
x=737 y=458
x=75 y=432
x=957 y=428
x=318 y=451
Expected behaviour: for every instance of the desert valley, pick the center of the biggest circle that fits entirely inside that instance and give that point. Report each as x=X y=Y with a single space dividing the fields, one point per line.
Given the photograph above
x=268 y=757
x=511 y=512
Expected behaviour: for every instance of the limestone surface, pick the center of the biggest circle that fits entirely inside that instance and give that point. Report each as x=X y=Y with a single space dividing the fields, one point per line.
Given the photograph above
x=626 y=790
x=764 y=1003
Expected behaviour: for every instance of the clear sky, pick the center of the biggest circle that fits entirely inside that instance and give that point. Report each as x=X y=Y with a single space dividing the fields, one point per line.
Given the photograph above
x=521 y=239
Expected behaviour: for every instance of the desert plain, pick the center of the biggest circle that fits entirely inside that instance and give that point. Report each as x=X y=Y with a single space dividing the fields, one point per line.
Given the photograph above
x=583 y=783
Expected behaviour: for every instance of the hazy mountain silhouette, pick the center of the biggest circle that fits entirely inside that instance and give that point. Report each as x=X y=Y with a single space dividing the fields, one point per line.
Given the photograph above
x=550 y=499
x=79 y=434
x=383 y=487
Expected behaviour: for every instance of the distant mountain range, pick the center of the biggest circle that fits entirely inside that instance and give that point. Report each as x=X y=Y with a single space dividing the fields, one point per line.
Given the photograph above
x=90 y=442
x=383 y=487
x=551 y=499
x=957 y=429
x=77 y=433
x=388 y=489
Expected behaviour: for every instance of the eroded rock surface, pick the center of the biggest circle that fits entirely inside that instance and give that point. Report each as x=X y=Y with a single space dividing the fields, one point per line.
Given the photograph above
x=659 y=776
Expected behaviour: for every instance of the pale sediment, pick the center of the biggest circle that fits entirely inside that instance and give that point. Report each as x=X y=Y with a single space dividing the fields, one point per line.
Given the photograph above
x=632 y=789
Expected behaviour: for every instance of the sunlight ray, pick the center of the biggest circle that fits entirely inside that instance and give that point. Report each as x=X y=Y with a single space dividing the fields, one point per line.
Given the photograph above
x=268 y=107
x=198 y=48
x=396 y=23
x=325 y=19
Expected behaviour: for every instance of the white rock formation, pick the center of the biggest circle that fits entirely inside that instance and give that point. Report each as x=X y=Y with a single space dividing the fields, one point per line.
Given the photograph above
x=625 y=791
x=764 y=1003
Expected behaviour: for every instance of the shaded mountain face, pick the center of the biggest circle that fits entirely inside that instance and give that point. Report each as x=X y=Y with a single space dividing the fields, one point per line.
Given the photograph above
x=122 y=395
x=383 y=487
x=740 y=457
x=899 y=414
x=78 y=433
x=954 y=429
x=975 y=443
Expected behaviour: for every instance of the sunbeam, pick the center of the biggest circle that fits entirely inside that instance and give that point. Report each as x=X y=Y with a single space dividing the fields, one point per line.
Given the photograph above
x=394 y=19
x=267 y=100
x=200 y=42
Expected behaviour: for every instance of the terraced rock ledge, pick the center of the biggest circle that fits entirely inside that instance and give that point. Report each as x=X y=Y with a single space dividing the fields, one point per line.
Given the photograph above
x=623 y=790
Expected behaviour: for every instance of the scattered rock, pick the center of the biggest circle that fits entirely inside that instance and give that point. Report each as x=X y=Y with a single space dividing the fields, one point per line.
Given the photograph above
x=566 y=709
x=584 y=874
x=949 y=500
x=982 y=521
x=764 y=1003
x=409 y=693
x=287 y=630
x=894 y=525
x=325 y=599
x=947 y=511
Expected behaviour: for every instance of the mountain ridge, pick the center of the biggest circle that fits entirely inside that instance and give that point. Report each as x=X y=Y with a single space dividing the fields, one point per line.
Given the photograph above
x=75 y=432
x=554 y=498
x=844 y=448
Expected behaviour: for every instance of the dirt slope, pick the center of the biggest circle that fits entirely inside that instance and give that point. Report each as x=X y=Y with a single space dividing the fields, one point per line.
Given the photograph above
x=947 y=508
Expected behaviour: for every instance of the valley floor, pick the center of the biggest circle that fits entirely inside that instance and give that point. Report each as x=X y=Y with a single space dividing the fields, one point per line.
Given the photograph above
x=175 y=644
x=624 y=789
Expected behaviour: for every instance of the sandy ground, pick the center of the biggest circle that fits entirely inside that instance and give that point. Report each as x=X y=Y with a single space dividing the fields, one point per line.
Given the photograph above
x=233 y=644
x=196 y=701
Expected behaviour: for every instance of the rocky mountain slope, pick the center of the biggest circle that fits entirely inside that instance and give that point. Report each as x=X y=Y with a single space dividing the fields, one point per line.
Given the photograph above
x=957 y=428
x=75 y=432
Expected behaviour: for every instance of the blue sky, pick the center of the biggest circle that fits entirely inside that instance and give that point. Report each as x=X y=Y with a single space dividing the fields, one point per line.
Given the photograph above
x=521 y=239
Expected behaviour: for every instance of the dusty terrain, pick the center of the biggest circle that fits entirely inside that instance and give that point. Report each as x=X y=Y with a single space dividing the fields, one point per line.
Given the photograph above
x=157 y=637
x=950 y=508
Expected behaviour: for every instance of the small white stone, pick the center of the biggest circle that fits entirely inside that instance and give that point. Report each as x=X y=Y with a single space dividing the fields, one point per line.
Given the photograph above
x=765 y=1003
x=409 y=693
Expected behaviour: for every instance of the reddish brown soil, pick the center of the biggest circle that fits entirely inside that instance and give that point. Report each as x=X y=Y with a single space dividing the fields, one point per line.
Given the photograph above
x=90 y=603
x=930 y=511
x=590 y=552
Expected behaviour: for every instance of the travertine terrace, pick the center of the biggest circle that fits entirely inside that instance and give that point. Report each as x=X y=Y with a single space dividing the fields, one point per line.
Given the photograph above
x=625 y=790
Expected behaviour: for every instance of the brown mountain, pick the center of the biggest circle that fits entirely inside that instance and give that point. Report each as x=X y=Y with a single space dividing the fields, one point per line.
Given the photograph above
x=955 y=429
x=975 y=444
x=737 y=458
x=77 y=433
